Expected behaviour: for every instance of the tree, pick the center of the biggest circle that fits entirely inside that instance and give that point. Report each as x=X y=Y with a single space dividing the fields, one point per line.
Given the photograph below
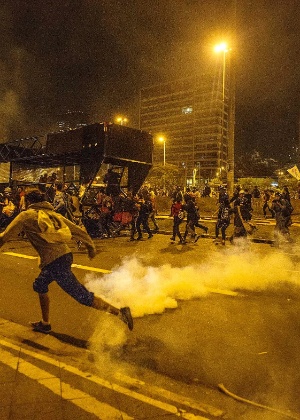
x=167 y=174
x=254 y=165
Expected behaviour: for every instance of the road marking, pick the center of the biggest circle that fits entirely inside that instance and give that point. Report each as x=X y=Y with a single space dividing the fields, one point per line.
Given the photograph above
x=180 y=399
x=85 y=267
x=15 y=254
x=62 y=389
x=81 y=267
x=70 y=393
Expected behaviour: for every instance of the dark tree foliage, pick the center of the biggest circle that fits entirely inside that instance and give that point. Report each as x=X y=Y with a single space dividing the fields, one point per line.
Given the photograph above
x=254 y=165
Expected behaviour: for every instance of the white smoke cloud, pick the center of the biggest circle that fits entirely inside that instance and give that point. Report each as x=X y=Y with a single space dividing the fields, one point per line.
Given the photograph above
x=151 y=290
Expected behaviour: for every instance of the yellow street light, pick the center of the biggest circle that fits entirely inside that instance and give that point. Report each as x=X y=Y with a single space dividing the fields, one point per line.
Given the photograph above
x=122 y=120
x=222 y=48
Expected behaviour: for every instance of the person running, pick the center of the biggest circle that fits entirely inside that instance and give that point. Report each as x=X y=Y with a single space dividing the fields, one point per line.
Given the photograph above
x=223 y=221
x=145 y=208
x=282 y=210
x=48 y=232
x=193 y=217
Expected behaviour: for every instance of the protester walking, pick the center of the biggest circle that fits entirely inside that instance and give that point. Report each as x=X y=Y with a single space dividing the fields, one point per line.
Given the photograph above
x=193 y=217
x=48 y=232
x=242 y=216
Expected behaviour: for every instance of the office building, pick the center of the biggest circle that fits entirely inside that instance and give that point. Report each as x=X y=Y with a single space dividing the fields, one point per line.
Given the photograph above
x=193 y=116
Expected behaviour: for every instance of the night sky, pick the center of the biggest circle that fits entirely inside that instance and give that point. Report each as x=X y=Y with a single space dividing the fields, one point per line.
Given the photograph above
x=95 y=56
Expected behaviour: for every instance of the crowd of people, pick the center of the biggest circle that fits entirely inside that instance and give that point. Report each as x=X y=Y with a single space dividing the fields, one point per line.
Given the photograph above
x=111 y=210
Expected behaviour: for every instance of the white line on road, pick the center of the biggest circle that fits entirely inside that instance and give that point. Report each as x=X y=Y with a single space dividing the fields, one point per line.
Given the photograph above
x=82 y=267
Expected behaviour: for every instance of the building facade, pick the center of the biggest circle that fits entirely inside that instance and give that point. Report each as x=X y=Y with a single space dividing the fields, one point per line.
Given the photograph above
x=192 y=116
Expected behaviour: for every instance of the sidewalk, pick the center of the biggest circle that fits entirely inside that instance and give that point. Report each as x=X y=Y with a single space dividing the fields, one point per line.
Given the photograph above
x=43 y=379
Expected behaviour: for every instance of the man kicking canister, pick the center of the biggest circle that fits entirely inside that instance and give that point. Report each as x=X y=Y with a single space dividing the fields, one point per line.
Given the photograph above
x=48 y=231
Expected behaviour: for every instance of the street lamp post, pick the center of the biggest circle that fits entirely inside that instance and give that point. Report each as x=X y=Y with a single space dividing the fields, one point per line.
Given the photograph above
x=163 y=140
x=223 y=48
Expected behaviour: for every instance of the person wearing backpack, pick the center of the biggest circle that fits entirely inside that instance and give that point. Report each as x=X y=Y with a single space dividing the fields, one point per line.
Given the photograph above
x=193 y=217
x=48 y=232
x=145 y=208
x=282 y=209
x=224 y=214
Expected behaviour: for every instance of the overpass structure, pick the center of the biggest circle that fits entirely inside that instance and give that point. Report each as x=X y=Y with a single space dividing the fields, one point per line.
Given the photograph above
x=125 y=149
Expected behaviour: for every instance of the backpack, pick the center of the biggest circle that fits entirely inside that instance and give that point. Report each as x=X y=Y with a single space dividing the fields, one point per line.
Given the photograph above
x=288 y=209
x=53 y=229
x=181 y=214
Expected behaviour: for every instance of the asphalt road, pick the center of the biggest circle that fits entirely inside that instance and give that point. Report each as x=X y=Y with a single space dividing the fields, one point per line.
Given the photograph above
x=204 y=314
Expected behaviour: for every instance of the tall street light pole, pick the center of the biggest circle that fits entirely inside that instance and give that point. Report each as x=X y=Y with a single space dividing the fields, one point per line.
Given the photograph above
x=223 y=48
x=163 y=140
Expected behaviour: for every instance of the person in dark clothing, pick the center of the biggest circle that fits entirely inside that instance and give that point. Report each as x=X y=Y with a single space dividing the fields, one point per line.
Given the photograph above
x=131 y=206
x=193 y=218
x=282 y=210
x=256 y=192
x=241 y=214
x=223 y=221
x=267 y=204
x=248 y=198
x=145 y=208
x=112 y=181
x=206 y=191
x=177 y=194
x=223 y=194
x=285 y=193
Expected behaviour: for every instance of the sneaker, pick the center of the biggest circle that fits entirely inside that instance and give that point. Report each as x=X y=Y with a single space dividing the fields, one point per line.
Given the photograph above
x=172 y=239
x=125 y=315
x=206 y=230
x=182 y=241
x=40 y=327
x=223 y=242
x=150 y=236
x=197 y=238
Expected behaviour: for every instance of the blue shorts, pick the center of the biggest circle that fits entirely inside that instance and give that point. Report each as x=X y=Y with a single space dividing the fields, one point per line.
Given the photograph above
x=60 y=271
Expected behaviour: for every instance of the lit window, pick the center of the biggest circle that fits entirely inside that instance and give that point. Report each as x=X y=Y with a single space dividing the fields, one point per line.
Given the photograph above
x=187 y=110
